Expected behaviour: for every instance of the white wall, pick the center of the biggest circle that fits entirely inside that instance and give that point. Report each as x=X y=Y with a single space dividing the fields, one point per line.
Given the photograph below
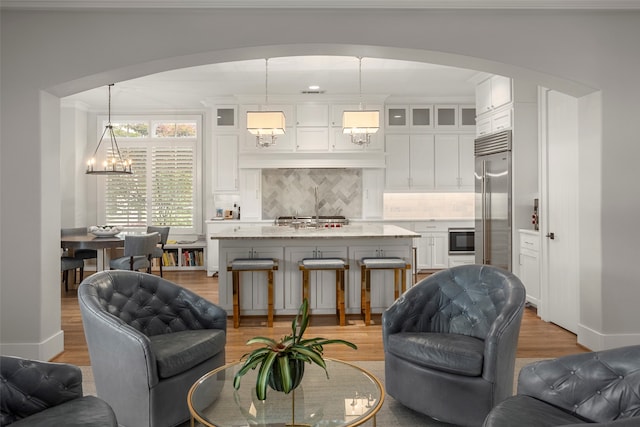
x=68 y=52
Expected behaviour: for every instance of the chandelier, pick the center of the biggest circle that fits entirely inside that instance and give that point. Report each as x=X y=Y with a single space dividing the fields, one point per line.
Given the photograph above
x=360 y=124
x=113 y=164
x=266 y=125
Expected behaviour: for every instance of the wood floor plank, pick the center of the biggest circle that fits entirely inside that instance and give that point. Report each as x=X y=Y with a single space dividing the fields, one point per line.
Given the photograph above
x=537 y=338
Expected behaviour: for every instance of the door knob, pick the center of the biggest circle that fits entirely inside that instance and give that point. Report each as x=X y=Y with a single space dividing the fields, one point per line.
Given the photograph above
x=552 y=236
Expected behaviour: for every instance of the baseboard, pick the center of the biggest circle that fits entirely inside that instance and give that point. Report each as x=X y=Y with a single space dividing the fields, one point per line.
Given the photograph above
x=45 y=350
x=596 y=341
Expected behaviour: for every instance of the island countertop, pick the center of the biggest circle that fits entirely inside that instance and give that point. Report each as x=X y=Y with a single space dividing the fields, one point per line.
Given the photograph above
x=363 y=230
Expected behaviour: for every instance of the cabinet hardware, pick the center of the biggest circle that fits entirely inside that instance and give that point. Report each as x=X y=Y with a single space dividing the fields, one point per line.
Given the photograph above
x=552 y=236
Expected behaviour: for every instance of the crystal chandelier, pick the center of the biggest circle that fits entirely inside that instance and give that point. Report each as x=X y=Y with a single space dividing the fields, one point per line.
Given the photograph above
x=266 y=125
x=113 y=164
x=360 y=124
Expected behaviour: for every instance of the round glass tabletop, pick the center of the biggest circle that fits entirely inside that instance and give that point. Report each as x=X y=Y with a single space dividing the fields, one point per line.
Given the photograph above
x=348 y=397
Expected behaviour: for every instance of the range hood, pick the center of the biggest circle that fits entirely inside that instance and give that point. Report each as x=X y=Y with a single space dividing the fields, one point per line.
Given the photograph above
x=273 y=160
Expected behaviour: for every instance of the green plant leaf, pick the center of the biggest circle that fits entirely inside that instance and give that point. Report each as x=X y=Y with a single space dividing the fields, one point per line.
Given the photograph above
x=285 y=373
x=263 y=376
x=311 y=354
x=323 y=341
x=263 y=340
x=299 y=323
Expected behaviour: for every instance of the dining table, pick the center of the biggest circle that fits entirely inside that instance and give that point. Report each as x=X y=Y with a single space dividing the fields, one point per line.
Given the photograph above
x=89 y=241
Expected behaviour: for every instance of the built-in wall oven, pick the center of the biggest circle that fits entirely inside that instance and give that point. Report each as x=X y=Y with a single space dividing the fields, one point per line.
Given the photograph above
x=461 y=241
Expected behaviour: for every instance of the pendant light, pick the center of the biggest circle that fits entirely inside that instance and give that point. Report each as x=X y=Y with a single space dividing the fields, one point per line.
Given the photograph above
x=266 y=125
x=360 y=124
x=113 y=164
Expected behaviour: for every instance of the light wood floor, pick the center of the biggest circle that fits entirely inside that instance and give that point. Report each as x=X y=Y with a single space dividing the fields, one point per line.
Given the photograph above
x=537 y=338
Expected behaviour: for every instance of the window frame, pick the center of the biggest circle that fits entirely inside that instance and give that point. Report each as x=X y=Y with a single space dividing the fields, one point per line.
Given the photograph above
x=153 y=141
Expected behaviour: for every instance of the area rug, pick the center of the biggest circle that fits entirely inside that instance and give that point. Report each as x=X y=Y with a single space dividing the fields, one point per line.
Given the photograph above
x=392 y=413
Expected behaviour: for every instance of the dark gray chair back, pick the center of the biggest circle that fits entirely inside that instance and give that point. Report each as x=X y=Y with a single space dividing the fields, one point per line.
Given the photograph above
x=140 y=244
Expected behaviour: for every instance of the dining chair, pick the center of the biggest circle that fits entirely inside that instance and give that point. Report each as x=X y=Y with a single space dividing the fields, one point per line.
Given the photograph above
x=79 y=253
x=137 y=252
x=158 y=251
x=67 y=264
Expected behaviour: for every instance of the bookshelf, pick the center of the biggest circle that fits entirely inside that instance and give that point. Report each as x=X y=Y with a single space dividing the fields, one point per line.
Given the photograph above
x=185 y=256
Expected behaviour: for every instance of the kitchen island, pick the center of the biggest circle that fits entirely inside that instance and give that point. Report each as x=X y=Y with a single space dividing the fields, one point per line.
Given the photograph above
x=289 y=245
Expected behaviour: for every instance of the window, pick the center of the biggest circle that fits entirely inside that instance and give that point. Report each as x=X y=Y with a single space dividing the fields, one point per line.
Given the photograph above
x=164 y=188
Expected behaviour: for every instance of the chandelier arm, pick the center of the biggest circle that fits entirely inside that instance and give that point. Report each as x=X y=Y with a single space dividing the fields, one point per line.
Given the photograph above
x=100 y=142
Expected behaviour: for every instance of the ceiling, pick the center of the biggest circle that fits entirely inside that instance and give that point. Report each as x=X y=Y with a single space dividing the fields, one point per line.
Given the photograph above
x=337 y=77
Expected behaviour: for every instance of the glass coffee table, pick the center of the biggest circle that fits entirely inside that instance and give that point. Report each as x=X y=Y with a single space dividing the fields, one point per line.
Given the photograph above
x=349 y=397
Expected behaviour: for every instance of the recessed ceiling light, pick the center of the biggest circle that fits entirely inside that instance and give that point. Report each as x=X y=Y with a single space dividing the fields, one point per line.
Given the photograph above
x=314 y=87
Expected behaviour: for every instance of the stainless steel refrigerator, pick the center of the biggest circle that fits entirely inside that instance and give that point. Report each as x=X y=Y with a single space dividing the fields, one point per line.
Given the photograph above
x=493 y=199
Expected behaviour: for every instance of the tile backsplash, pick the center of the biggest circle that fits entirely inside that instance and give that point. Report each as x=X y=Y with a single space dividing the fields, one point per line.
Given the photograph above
x=291 y=191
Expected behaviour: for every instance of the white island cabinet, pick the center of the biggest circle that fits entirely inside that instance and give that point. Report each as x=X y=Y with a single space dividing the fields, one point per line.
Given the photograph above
x=289 y=245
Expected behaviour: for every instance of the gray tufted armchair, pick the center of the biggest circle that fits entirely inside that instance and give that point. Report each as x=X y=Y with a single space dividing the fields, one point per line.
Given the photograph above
x=149 y=340
x=587 y=389
x=43 y=394
x=450 y=343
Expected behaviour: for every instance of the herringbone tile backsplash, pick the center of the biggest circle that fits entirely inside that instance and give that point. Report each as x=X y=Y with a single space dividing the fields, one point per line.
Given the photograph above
x=291 y=192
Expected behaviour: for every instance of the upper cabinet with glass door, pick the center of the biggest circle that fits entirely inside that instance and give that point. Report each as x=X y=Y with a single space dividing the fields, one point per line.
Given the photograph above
x=405 y=117
x=226 y=117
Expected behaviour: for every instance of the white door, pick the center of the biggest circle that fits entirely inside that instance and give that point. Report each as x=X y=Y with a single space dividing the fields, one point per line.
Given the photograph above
x=560 y=207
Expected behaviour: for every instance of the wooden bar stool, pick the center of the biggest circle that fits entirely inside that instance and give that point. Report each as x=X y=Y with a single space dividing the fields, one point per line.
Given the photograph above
x=240 y=265
x=399 y=267
x=337 y=264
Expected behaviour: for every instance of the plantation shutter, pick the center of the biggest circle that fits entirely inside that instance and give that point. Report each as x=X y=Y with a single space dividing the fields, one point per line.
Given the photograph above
x=173 y=186
x=126 y=195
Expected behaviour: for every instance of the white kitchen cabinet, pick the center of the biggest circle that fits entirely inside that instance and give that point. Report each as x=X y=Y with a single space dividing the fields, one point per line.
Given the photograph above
x=253 y=285
x=251 y=194
x=455 y=260
x=467 y=117
x=529 y=264
x=432 y=246
x=396 y=117
x=212 y=246
x=410 y=162
x=446 y=116
x=226 y=171
x=454 y=162
x=421 y=116
x=226 y=117
x=493 y=93
x=405 y=117
x=312 y=115
x=322 y=290
x=312 y=139
x=372 y=193
x=382 y=293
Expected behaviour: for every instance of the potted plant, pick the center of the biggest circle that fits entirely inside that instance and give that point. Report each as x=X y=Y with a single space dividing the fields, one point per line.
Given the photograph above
x=281 y=363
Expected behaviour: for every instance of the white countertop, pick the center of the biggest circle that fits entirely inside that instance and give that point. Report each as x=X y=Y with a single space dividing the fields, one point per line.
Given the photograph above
x=364 y=230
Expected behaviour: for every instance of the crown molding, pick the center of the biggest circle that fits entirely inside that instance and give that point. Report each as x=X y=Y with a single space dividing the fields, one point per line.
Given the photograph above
x=325 y=4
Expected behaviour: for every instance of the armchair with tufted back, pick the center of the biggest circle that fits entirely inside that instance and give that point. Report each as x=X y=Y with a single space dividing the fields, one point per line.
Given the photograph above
x=149 y=340
x=43 y=394
x=587 y=389
x=450 y=343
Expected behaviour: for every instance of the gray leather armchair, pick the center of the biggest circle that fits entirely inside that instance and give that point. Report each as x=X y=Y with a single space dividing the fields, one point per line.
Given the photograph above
x=587 y=389
x=450 y=343
x=149 y=340
x=44 y=394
